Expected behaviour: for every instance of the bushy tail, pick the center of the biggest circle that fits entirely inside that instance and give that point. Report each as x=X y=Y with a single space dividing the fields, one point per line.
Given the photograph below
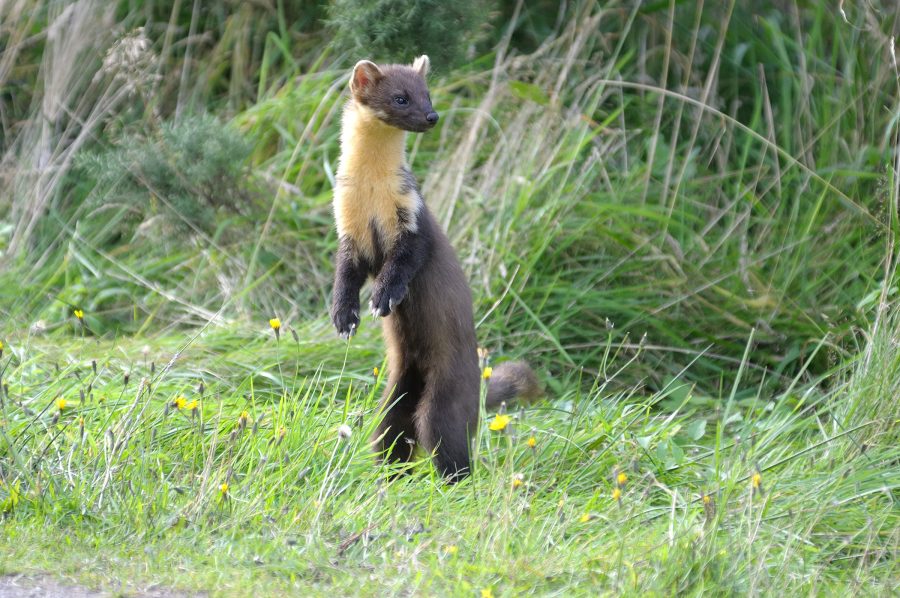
x=512 y=380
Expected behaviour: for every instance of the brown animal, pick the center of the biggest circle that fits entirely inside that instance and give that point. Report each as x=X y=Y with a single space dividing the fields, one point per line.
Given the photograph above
x=387 y=232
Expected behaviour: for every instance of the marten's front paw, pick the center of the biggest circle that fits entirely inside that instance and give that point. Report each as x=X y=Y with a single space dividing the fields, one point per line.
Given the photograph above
x=346 y=319
x=385 y=298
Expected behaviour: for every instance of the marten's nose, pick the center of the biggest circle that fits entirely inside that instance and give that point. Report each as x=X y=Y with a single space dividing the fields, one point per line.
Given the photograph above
x=432 y=117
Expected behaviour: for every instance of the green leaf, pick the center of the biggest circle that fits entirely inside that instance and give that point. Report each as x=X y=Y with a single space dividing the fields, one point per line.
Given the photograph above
x=529 y=91
x=696 y=430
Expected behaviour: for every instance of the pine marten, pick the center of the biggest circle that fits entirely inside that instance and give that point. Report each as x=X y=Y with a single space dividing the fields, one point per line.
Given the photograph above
x=386 y=232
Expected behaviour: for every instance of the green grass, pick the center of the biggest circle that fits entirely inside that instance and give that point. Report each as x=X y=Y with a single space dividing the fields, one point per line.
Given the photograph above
x=137 y=493
x=683 y=217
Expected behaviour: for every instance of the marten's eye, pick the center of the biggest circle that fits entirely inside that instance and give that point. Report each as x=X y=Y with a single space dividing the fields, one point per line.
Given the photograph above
x=400 y=101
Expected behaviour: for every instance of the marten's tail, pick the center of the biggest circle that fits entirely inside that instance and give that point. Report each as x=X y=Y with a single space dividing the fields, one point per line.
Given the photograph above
x=509 y=381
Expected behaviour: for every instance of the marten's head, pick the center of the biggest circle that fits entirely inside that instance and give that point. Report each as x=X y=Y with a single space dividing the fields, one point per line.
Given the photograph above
x=396 y=93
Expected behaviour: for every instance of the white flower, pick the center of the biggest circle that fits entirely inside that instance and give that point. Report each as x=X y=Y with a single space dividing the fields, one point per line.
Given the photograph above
x=345 y=431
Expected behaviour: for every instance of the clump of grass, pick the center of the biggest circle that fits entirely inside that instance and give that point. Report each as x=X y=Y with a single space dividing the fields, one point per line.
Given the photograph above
x=180 y=178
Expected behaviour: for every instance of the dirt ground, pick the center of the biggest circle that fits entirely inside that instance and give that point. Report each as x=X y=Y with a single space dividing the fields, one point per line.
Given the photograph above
x=45 y=586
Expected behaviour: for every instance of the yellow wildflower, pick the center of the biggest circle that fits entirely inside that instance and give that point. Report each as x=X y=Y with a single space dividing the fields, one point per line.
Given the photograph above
x=451 y=549
x=757 y=482
x=487 y=593
x=180 y=402
x=224 y=488
x=531 y=442
x=617 y=494
x=621 y=478
x=61 y=403
x=486 y=373
x=79 y=314
x=706 y=499
x=1 y=348
x=275 y=324
x=244 y=418
x=518 y=480
x=375 y=371
x=585 y=518
x=499 y=422
x=193 y=405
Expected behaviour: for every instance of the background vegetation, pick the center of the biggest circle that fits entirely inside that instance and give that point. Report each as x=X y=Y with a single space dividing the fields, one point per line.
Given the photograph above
x=682 y=213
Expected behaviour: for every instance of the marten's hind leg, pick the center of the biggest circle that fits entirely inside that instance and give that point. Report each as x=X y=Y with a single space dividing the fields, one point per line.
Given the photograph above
x=445 y=421
x=395 y=437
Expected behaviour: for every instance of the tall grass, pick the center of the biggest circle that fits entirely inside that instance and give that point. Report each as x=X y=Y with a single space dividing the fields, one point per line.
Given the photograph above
x=686 y=195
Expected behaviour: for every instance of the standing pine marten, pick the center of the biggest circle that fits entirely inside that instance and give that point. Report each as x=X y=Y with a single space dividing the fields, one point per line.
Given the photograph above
x=386 y=231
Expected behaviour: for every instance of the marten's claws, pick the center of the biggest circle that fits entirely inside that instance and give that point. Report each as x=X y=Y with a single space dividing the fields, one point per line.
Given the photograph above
x=385 y=300
x=346 y=321
x=346 y=334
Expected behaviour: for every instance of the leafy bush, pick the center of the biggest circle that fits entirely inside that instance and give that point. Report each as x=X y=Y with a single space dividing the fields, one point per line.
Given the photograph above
x=179 y=176
x=399 y=31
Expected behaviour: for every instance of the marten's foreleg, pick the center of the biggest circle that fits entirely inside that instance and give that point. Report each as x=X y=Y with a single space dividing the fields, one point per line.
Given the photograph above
x=349 y=277
x=403 y=262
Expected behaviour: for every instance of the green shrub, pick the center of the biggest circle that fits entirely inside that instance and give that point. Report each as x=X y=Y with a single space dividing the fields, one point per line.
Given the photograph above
x=399 y=31
x=181 y=175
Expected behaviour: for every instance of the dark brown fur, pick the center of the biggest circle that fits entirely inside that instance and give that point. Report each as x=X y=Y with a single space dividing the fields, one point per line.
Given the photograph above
x=420 y=290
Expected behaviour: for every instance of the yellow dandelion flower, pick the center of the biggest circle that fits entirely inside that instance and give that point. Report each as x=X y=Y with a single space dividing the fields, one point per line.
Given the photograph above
x=706 y=499
x=617 y=494
x=499 y=422
x=518 y=480
x=757 y=480
x=531 y=442
x=585 y=518
x=224 y=488
x=79 y=314
x=487 y=372
x=451 y=549
x=621 y=478
x=487 y=593
x=375 y=371
x=61 y=403
x=180 y=402
x=193 y=405
x=244 y=418
x=275 y=324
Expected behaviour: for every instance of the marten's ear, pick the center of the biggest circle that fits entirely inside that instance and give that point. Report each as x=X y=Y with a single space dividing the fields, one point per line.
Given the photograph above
x=421 y=64
x=365 y=73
